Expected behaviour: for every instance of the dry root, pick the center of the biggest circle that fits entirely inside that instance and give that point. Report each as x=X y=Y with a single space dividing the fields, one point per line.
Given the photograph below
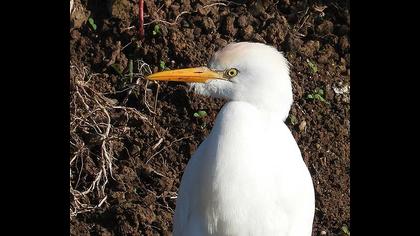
x=92 y=136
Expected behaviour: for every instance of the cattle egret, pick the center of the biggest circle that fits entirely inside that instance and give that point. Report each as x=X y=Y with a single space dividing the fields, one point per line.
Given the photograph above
x=248 y=177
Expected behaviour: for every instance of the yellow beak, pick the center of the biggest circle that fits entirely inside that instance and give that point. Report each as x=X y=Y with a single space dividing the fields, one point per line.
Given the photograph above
x=198 y=75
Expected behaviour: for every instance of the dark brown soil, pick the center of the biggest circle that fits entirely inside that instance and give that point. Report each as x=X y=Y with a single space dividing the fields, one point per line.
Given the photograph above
x=314 y=35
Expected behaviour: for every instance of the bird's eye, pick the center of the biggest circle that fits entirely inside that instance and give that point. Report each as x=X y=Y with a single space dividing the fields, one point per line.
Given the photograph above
x=232 y=72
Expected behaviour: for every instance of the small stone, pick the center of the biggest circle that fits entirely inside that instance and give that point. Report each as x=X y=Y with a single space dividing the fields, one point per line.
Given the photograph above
x=323 y=232
x=302 y=125
x=221 y=42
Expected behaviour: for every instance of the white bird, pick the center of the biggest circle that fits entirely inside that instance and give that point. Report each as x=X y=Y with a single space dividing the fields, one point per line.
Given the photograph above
x=248 y=177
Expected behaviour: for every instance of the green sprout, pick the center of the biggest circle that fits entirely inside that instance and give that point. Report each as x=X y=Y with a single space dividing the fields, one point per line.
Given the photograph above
x=318 y=94
x=156 y=30
x=162 y=65
x=345 y=229
x=117 y=68
x=200 y=114
x=293 y=119
x=92 y=23
x=313 y=66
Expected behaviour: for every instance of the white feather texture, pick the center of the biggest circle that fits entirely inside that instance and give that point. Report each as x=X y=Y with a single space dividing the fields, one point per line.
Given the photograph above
x=248 y=177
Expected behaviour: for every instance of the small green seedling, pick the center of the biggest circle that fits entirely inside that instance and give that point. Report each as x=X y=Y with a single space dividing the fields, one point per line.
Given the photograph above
x=345 y=229
x=92 y=23
x=318 y=94
x=313 y=66
x=117 y=69
x=156 y=30
x=293 y=119
x=162 y=65
x=200 y=114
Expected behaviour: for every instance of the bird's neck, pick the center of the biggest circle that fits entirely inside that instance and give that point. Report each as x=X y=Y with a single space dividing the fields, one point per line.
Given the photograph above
x=273 y=101
x=273 y=108
x=245 y=126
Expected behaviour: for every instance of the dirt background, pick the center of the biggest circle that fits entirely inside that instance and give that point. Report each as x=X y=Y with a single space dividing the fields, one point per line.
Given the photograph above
x=129 y=148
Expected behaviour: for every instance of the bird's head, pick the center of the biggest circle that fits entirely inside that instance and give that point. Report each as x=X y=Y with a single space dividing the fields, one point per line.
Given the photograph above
x=251 y=72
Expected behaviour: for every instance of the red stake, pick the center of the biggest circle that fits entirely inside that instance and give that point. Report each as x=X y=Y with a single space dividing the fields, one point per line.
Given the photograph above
x=141 y=22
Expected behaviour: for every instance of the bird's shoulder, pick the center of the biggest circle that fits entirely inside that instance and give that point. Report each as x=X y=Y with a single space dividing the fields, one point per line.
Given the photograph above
x=237 y=113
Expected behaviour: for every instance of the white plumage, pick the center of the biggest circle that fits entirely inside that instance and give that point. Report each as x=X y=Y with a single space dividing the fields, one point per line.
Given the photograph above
x=248 y=177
